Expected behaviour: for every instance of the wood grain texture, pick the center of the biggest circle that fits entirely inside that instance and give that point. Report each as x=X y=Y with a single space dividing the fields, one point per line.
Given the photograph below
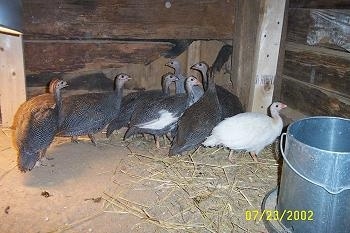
x=64 y=56
x=325 y=4
x=325 y=68
x=132 y=19
x=312 y=100
x=266 y=56
x=323 y=28
x=281 y=57
x=248 y=13
x=12 y=79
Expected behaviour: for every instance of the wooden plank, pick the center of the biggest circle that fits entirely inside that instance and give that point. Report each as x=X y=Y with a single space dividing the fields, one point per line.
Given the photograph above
x=281 y=57
x=313 y=100
x=12 y=83
x=209 y=52
x=325 y=4
x=133 y=19
x=193 y=55
x=325 y=68
x=323 y=28
x=247 y=17
x=266 y=56
x=64 y=56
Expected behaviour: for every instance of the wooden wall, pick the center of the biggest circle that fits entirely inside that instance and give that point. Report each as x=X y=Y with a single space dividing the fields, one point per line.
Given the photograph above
x=96 y=39
x=316 y=72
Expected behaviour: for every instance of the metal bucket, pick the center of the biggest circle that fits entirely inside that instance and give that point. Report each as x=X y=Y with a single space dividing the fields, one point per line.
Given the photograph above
x=314 y=190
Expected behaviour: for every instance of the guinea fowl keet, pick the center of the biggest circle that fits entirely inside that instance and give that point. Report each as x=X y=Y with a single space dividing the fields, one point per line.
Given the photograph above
x=89 y=113
x=36 y=123
x=131 y=102
x=230 y=103
x=248 y=131
x=197 y=121
x=197 y=91
x=160 y=116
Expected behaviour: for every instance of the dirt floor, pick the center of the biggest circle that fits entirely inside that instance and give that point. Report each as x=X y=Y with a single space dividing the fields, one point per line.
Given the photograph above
x=131 y=186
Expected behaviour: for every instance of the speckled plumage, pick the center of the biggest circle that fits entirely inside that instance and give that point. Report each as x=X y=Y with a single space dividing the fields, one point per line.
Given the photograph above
x=89 y=113
x=197 y=121
x=230 y=103
x=160 y=116
x=36 y=123
x=197 y=91
x=133 y=100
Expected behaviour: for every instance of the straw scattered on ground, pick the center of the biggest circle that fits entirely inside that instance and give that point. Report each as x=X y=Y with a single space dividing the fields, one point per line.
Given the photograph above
x=199 y=192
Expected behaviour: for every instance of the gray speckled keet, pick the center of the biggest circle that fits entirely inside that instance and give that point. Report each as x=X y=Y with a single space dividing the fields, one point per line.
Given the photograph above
x=36 y=123
x=89 y=113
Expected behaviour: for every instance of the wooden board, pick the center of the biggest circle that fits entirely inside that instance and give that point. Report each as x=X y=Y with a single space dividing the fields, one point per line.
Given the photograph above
x=266 y=56
x=64 y=56
x=313 y=100
x=247 y=13
x=281 y=57
x=12 y=83
x=256 y=50
x=326 y=4
x=193 y=56
x=323 y=28
x=325 y=68
x=133 y=19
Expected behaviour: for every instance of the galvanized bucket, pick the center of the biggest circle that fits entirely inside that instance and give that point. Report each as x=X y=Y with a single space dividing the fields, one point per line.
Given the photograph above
x=314 y=195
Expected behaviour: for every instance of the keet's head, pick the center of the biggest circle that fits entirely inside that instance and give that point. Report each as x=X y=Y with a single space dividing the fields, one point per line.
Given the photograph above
x=169 y=78
x=200 y=66
x=175 y=64
x=277 y=106
x=57 y=84
x=192 y=81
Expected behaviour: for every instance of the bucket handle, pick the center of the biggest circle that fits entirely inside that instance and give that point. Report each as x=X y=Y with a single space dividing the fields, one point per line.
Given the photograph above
x=328 y=189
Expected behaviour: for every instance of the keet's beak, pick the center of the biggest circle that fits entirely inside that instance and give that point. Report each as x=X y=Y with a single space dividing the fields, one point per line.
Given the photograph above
x=198 y=83
x=194 y=67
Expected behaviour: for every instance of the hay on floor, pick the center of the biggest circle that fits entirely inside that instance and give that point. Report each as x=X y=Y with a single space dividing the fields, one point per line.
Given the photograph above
x=199 y=192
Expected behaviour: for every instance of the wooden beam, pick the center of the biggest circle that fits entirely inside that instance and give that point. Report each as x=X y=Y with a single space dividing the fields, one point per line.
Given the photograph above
x=247 y=16
x=325 y=68
x=325 y=4
x=70 y=55
x=193 y=55
x=320 y=27
x=314 y=100
x=256 y=51
x=133 y=19
x=266 y=56
x=12 y=79
x=281 y=57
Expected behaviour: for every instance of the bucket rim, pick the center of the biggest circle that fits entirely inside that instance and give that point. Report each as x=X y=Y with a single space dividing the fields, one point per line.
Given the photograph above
x=318 y=117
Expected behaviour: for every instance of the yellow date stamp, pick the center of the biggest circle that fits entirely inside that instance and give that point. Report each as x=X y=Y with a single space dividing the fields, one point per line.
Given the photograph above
x=275 y=215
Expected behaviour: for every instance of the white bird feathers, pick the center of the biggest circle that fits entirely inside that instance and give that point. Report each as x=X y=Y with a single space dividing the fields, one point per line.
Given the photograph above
x=248 y=131
x=165 y=118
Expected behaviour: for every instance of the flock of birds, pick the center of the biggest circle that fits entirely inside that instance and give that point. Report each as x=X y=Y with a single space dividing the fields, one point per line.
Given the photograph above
x=199 y=113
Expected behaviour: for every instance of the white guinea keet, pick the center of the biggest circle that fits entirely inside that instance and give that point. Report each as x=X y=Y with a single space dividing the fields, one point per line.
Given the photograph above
x=249 y=131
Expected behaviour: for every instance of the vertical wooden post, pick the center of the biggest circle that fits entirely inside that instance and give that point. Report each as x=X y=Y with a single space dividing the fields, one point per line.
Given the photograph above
x=12 y=77
x=278 y=80
x=257 y=38
x=193 y=55
x=266 y=56
x=246 y=23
